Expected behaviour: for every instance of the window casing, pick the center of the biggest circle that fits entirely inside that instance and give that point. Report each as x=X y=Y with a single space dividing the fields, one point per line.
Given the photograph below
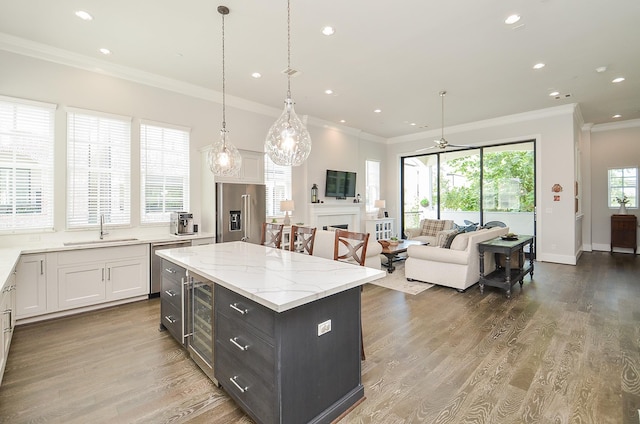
x=623 y=182
x=277 y=179
x=164 y=172
x=26 y=165
x=98 y=169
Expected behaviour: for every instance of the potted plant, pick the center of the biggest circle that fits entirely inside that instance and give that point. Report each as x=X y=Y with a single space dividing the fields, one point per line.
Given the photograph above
x=394 y=240
x=424 y=203
x=623 y=204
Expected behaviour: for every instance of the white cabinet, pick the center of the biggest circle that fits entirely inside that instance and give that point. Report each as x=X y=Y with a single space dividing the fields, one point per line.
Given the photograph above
x=201 y=241
x=92 y=276
x=251 y=171
x=31 y=286
x=381 y=229
x=7 y=319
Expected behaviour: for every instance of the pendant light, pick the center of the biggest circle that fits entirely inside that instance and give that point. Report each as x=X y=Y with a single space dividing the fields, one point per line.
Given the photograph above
x=223 y=157
x=288 y=142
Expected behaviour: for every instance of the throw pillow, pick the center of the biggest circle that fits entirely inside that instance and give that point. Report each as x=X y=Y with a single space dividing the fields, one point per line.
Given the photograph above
x=430 y=227
x=450 y=238
x=441 y=238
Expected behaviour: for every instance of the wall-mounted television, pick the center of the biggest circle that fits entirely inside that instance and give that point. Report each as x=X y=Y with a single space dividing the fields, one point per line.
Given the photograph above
x=340 y=184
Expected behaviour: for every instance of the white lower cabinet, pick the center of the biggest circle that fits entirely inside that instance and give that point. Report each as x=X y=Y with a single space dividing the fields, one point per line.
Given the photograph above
x=122 y=272
x=7 y=319
x=31 y=285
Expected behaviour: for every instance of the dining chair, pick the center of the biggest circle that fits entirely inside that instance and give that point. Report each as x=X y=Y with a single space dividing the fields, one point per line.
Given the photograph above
x=271 y=234
x=356 y=250
x=301 y=239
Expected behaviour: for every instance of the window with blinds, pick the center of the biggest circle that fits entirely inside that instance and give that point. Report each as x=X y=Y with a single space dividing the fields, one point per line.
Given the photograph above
x=277 y=178
x=26 y=165
x=164 y=171
x=373 y=184
x=98 y=169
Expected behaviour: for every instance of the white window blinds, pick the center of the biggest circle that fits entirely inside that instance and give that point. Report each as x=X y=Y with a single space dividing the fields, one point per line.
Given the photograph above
x=278 y=181
x=373 y=184
x=164 y=172
x=98 y=169
x=26 y=165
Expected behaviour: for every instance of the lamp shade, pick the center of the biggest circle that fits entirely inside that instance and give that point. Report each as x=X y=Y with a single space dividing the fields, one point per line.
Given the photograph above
x=287 y=205
x=380 y=204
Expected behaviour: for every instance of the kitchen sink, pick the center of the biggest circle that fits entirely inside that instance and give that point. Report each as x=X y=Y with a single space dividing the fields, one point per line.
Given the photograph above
x=81 y=243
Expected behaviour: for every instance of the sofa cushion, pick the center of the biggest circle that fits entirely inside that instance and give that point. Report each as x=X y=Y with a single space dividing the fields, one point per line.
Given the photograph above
x=450 y=238
x=430 y=227
x=460 y=242
x=441 y=238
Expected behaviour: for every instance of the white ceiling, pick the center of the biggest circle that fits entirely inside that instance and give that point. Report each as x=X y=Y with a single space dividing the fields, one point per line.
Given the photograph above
x=395 y=56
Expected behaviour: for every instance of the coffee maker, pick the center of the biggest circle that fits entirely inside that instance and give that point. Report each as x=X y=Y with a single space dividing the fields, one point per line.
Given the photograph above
x=181 y=223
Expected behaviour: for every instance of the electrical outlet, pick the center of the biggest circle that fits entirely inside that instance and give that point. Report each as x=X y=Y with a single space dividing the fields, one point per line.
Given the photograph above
x=324 y=327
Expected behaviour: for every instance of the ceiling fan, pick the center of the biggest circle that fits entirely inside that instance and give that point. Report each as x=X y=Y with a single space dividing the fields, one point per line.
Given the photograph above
x=442 y=143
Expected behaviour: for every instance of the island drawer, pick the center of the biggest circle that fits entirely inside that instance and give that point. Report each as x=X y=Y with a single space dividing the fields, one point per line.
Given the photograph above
x=257 y=397
x=171 y=291
x=172 y=272
x=245 y=346
x=238 y=307
x=171 y=318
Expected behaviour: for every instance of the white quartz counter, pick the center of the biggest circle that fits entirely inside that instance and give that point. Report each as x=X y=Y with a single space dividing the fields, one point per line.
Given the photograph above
x=275 y=278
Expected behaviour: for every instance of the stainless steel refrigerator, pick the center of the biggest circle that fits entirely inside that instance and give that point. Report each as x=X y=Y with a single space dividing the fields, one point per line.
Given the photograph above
x=240 y=212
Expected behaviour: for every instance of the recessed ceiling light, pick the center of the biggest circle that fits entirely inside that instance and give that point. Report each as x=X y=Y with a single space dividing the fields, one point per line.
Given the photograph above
x=617 y=116
x=85 y=16
x=328 y=91
x=328 y=30
x=601 y=69
x=256 y=75
x=413 y=124
x=539 y=66
x=512 y=19
x=342 y=121
x=619 y=79
x=105 y=51
x=378 y=110
x=554 y=93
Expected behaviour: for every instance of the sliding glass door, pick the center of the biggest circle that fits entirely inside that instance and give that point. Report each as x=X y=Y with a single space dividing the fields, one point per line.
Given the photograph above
x=472 y=186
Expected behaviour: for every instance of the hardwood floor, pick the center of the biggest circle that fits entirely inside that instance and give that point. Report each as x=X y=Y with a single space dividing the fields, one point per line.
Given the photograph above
x=564 y=349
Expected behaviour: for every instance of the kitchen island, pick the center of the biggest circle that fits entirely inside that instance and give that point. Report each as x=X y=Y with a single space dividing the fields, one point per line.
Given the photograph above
x=287 y=329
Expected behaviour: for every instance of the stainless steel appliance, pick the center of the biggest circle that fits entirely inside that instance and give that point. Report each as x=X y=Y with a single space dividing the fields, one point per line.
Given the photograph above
x=181 y=223
x=240 y=212
x=156 y=263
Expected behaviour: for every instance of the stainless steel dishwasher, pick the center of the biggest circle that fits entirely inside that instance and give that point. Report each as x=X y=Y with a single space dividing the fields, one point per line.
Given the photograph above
x=156 y=263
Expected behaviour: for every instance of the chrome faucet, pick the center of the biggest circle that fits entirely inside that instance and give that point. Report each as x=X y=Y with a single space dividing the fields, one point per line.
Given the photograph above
x=102 y=231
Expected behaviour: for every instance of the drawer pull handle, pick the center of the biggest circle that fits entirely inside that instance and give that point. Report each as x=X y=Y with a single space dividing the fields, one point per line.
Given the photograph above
x=170 y=293
x=238 y=345
x=170 y=319
x=170 y=270
x=235 y=383
x=234 y=306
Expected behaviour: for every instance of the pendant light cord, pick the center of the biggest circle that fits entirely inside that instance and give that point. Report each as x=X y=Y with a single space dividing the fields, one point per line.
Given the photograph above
x=442 y=93
x=224 y=83
x=288 y=49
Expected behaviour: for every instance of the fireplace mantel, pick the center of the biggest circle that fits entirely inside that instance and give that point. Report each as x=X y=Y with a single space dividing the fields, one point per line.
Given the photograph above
x=321 y=214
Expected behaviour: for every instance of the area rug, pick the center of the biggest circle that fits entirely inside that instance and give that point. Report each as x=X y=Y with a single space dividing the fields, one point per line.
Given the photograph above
x=397 y=281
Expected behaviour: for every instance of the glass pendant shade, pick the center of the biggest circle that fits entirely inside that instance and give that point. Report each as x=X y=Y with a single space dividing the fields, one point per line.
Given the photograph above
x=288 y=142
x=224 y=158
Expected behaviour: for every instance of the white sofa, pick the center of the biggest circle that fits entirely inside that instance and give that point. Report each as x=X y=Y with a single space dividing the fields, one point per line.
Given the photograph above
x=324 y=243
x=458 y=266
x=431 y=237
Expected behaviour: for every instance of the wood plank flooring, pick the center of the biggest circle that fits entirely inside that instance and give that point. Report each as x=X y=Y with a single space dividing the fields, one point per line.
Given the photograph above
x=564 y=349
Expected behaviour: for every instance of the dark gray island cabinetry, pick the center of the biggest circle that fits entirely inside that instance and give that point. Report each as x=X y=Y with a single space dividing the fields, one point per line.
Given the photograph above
x=277 y=367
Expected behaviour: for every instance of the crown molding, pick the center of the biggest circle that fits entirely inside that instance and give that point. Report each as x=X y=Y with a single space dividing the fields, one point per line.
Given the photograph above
x=48 y=53
x=609 y=126
x=569 y=109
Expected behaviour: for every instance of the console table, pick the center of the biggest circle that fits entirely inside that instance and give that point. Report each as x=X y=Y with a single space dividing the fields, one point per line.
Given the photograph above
x=505 y=277
x=624 y=232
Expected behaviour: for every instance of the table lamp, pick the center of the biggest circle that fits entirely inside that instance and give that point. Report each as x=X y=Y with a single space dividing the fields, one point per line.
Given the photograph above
x=380 y=204
x=286 y=206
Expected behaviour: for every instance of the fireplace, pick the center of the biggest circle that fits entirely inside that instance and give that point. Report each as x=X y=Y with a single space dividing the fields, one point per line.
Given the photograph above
x=341 y=226
x=328 y=215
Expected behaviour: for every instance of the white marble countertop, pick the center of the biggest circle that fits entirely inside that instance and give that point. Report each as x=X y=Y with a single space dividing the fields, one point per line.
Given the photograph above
x=275 y=278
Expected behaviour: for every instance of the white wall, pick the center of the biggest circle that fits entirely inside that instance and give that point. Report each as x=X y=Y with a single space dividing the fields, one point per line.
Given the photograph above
x=612 y=146
x=35 y=79
x=553 y=130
